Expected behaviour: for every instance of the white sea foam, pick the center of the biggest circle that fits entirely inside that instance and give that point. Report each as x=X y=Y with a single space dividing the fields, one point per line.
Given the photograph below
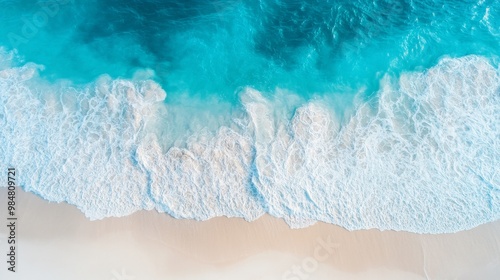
x=424 y=157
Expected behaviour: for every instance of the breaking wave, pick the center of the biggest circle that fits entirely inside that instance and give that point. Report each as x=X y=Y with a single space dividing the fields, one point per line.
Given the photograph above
x=421 y=156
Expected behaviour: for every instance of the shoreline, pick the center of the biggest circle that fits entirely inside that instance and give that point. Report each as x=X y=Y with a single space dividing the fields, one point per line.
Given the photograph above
x=154 y=245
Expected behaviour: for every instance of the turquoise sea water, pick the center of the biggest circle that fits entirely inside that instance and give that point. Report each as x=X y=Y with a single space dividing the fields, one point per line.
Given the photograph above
x=365 y=114
x=217 y=47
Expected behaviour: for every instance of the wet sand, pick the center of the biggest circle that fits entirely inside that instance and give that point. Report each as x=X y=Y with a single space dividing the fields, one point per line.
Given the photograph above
x=56 y=241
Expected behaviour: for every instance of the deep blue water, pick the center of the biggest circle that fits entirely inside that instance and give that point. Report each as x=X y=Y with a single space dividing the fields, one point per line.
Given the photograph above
x=216 y=47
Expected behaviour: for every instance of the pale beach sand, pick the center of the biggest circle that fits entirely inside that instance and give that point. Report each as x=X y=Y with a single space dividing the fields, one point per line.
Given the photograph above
x=56 y=241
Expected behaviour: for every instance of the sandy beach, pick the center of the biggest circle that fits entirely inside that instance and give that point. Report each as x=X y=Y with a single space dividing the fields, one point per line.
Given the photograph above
x=56 y=241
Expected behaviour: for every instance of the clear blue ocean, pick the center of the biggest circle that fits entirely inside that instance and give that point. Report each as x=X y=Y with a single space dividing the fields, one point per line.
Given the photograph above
x=367 y=114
